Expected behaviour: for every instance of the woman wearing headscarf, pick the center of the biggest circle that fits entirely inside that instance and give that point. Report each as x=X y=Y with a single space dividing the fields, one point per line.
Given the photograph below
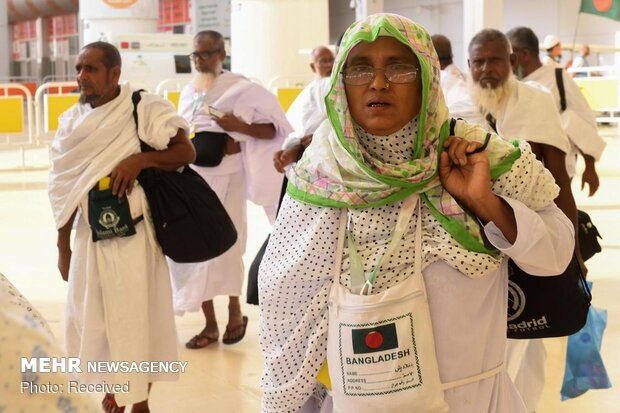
x=388 y=257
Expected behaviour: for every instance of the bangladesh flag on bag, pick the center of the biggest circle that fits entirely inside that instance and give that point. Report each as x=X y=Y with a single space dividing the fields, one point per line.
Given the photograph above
x=603 y=8
x=371 y=340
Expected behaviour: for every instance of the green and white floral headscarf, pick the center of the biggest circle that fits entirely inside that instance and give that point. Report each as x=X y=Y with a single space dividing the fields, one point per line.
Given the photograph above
x=336 y=170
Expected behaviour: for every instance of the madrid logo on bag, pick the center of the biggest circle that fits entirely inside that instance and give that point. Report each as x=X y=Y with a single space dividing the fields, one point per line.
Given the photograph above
x=516 y=301
x=546 y=306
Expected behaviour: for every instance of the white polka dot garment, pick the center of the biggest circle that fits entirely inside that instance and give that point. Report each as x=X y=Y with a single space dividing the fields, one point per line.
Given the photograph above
x=296 y=274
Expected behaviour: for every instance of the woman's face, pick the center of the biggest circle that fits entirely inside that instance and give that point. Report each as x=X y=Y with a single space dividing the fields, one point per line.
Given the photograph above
x=382 y=107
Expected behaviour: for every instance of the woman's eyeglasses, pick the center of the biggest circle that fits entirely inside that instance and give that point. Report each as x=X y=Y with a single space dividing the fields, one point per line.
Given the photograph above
x=394 y=73
x=203 y=55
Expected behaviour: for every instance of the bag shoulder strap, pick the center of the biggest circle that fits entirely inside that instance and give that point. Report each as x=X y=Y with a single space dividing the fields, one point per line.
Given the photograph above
x=136 y=97
x=560 y=82
x=475 y=378
x=452 y=126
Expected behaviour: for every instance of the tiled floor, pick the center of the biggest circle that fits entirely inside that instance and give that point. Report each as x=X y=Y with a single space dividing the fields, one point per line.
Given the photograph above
x=225 y=379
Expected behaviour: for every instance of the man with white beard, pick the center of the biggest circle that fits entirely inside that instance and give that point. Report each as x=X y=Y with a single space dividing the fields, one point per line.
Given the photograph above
x=516 y=110
x=237 y=126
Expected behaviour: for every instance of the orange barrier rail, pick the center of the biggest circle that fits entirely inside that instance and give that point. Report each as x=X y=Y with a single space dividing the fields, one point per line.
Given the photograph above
x=31 y=86
x=12 y=109
x=48 y=106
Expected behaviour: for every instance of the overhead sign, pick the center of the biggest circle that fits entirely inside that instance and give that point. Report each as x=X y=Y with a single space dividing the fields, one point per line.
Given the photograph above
x=211 y=15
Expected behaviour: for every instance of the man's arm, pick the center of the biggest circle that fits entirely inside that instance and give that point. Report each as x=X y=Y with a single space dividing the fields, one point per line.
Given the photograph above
x=63 y=242
x=554 y=161
x=590 y=176
x=285 y=157
x=231 y=123
x=179 y=152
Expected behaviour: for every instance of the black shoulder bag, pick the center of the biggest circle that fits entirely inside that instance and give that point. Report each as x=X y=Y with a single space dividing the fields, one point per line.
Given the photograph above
x=540 y=306
x=588 y=234
x=546 y=306
x=191 y=224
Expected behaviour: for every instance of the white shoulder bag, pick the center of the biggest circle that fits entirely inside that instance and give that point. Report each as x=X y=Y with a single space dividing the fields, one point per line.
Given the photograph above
x=380 y=348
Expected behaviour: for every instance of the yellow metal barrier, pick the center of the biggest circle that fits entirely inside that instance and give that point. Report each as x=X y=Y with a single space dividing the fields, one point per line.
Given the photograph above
x=600 y=92
x=12 y=110
x=12 y=119
x=171 y=89
x=55 y=105
x=286 y=96
x=173 y=96
x=44 y=121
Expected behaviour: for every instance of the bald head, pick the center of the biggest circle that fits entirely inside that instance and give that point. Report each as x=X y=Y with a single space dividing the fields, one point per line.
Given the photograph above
x=322 y=61
x=444 y=49
x=215 y=37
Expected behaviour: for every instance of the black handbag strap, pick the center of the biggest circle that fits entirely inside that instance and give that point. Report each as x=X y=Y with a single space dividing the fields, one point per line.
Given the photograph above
x=136 y=97
x=452 y=126
x=487 y=138
x=560 y=82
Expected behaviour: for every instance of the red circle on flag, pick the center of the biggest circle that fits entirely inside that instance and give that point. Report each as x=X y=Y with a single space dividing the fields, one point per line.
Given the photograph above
x=602 y=5
x=374 y=340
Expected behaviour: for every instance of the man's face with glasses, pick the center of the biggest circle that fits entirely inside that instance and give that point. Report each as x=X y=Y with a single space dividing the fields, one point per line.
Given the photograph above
x=382 y=84
x=207 y=56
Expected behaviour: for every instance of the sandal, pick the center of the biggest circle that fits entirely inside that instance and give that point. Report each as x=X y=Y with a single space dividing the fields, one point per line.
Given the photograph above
x=109 y=398
x=238 y=338
x=200 y=341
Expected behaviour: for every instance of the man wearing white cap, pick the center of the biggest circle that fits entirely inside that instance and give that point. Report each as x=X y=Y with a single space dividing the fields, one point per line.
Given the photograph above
x=554 y=51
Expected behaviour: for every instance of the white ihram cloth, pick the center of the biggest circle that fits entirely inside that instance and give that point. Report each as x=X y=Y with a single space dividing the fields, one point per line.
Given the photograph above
x=577 y=120
x=26 y=334
x=549 y=61
x=119 y=305
x=248 y=175
x=468 y=314
x=458 y=98
x=307 y=111
x=252 y=103
x=530 y=114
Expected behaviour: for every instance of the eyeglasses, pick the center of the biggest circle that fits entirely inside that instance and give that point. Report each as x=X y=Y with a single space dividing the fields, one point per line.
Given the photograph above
x=203 y=55
x=325 y=62
x=394 y=73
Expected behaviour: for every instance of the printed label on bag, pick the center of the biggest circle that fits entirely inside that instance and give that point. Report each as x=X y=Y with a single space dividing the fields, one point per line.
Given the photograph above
x=108 y=216
x=379 y=358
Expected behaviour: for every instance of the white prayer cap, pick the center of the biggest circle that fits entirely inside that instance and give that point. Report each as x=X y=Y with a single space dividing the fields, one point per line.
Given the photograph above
x=550 y=41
